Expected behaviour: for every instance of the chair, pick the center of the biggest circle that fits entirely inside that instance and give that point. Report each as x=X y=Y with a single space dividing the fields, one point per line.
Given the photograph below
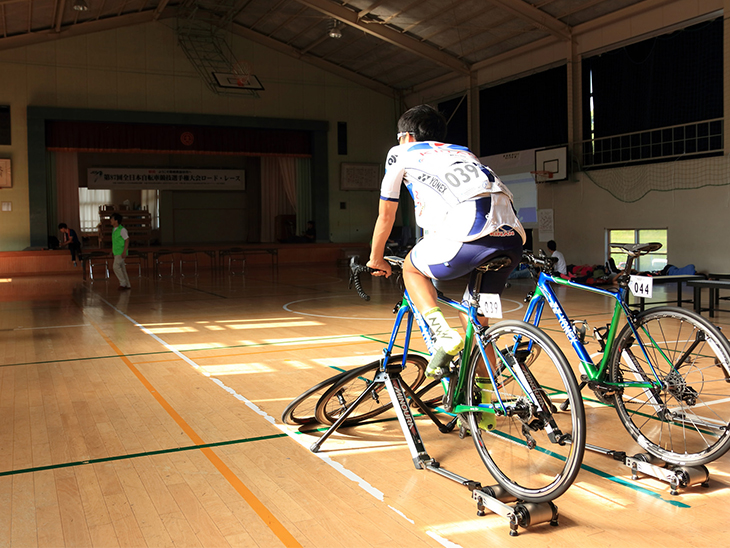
x=135 y=258
x=188 y=255
x=164 y=257
x=235 y=254
x=98 y=258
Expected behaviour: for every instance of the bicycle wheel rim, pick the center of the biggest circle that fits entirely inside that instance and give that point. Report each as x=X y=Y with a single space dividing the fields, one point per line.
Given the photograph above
x=545 y=470
x=342 y=394
x=301 y=410
x=686 y=422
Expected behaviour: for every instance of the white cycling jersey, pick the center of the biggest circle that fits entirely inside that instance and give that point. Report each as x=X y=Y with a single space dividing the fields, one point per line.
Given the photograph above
x=448 y=183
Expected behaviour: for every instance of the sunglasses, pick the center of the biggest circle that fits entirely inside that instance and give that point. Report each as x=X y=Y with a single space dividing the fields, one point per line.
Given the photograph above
x=402 y=134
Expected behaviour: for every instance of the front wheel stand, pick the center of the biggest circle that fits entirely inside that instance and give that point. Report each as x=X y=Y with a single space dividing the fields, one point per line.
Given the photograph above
x=493 y=498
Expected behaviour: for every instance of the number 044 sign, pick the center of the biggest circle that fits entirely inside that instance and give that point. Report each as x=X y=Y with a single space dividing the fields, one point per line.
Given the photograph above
x=641 y=286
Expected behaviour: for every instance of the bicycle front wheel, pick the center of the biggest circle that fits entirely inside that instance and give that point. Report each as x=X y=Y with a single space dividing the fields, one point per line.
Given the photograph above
x=343 y=393
x=532 y=448
x=684 y=420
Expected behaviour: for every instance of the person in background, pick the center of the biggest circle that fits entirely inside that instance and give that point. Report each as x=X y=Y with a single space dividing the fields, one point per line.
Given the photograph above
x=71 y=240
x=310 y=235
x=120 y=249
x=561 y=265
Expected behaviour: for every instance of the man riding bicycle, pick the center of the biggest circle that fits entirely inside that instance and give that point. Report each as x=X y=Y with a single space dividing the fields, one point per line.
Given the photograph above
x=466 y=214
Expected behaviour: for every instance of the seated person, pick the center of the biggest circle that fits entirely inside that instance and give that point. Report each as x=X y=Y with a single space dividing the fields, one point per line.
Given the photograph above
x=561 y=265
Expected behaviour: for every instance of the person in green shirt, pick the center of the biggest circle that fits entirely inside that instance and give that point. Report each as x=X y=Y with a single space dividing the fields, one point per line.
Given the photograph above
x=120 y=248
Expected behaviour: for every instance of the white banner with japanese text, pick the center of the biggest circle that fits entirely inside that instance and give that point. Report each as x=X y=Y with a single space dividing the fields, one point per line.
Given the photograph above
x=165 y=179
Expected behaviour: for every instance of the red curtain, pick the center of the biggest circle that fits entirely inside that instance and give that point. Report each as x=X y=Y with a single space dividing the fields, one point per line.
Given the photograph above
x=175 y=139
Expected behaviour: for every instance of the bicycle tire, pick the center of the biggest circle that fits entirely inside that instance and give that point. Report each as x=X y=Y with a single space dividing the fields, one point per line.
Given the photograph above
x=519 y=451
x=686 y=422
x=301 y=410
x=343 y=393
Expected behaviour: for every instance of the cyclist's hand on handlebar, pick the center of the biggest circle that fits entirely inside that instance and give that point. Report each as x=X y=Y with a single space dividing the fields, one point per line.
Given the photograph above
x=380 y=266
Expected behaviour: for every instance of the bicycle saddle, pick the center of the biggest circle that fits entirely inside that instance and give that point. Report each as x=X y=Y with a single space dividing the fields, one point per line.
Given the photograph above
x=495 y=263
x=638 y=249
x=394 y=260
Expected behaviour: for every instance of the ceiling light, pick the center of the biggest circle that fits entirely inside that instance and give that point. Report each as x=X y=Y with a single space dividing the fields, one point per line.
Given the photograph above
x=81 y=5
x=335 y=31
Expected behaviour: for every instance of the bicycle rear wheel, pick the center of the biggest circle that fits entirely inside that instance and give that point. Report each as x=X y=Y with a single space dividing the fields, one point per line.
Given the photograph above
x=534 y=450
x=301 y=409
x=345 y=391
x=686 y=420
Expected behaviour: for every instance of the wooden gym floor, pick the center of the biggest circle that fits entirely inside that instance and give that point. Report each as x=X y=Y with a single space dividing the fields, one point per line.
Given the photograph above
x=152 y=418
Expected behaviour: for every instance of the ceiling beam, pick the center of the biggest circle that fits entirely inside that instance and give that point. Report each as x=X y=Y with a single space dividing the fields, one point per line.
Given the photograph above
x=312 y=60
x=537 y=17
x=388 y=34
x=78 y=29
x=621 y=15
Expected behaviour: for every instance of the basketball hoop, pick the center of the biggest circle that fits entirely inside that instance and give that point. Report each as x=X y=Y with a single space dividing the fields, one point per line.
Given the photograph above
x=542 y=176
x=242 y=73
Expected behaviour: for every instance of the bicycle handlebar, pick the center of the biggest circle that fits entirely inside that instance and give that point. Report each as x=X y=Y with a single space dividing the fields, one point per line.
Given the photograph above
x=540 y=261
x=356 y=269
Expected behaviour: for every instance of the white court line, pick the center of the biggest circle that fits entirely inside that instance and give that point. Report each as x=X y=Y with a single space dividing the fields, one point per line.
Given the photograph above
x=300 y=439
x=288 y=309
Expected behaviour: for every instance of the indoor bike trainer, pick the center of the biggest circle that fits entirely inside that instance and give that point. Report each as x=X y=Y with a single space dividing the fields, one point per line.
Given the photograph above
x=493 y=498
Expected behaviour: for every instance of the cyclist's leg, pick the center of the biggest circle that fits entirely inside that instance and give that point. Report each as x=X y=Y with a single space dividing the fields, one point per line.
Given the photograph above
x=429 y=254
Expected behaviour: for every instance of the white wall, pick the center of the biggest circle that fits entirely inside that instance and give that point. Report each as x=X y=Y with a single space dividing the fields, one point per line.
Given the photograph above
x=141 y=68
x=696 y=219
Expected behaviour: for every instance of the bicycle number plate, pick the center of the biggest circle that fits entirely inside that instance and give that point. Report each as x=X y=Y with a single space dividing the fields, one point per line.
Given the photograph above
x=490 y=305
x=641 y=286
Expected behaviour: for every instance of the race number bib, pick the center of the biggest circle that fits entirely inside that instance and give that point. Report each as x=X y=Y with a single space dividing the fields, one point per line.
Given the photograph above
x=641 y=286
x=490 y=305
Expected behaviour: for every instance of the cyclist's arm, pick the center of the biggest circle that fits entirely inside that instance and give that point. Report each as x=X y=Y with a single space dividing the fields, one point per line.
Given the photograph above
x=383 y=228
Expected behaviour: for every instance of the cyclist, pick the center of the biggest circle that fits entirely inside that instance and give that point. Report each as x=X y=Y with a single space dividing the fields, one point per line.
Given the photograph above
x=466 y=213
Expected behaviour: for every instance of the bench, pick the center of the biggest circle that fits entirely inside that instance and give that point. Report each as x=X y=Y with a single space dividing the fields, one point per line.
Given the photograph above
x=714 y=286
x=679 y=279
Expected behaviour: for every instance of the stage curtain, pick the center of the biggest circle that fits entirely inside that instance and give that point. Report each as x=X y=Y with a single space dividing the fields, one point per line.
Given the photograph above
x=274 y=199
x=304 y=194
x=67 y=190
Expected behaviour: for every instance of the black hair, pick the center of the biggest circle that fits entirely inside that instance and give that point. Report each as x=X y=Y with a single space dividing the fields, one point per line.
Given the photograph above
x=424 y=122
x=117 y=217
x=552 y=246
x=62 y=225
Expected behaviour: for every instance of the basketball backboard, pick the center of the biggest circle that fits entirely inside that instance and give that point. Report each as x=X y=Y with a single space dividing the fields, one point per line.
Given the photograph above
x=554 y=160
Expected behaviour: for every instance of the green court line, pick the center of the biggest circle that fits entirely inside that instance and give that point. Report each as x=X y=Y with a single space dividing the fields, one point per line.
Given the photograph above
x=164 y=352
x=137 y=455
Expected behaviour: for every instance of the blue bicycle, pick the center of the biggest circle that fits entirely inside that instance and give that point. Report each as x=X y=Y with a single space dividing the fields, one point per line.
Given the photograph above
x=505 y=388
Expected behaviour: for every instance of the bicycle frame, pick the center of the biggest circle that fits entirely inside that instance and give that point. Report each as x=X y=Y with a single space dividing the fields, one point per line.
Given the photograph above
x=406 y=307
x=593 y=373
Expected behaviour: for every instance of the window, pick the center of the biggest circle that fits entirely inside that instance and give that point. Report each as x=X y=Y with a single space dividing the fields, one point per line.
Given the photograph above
x=530 y=112
x=646 y=263
x=665 y=81
x=151 y=202
x=89 y=201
